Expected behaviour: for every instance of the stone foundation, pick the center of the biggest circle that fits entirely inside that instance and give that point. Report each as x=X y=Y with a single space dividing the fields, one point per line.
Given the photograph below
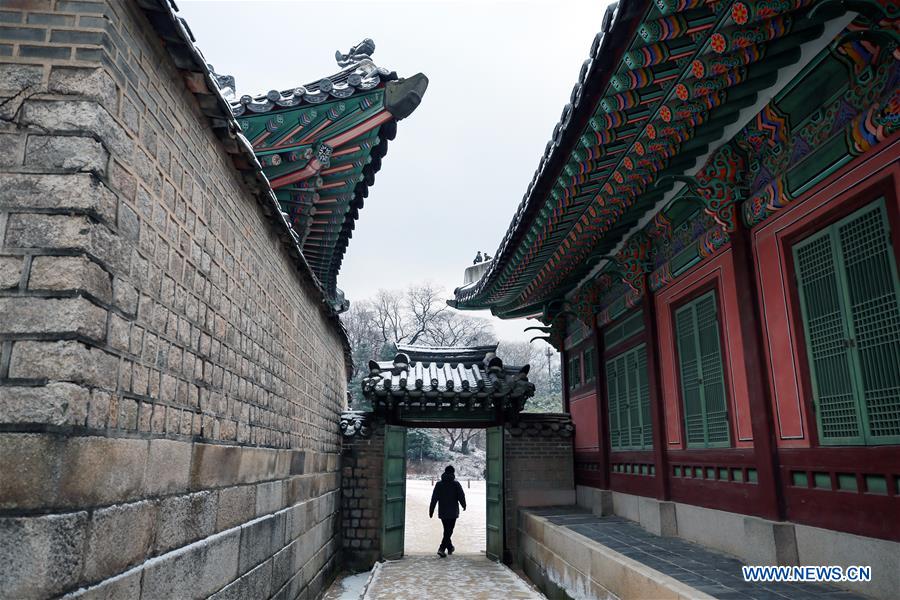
x=754 y=540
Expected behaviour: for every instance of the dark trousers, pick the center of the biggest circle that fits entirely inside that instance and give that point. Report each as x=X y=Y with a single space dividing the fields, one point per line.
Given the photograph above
x=449 y=524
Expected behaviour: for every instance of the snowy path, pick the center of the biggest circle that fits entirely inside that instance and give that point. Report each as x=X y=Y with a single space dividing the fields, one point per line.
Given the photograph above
x=423 y=535
x=456 y=577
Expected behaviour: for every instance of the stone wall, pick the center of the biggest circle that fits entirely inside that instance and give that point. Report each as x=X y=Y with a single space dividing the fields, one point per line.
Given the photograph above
x=170 y=382
x=362 y=490
x=539 y=469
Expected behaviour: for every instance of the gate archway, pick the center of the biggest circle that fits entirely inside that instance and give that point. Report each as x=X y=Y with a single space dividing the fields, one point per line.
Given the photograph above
x=447 y=387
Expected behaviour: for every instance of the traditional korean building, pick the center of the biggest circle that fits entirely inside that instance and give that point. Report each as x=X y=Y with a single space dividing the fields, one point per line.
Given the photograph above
x=711 y=240
x=320 y=145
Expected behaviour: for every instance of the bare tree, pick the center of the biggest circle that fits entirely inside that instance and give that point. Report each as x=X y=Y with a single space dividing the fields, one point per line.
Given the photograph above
x=466 y=437
x=454 y=434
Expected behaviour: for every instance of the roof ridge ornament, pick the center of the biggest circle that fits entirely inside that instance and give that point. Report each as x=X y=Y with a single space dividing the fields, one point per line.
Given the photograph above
x=358 y=53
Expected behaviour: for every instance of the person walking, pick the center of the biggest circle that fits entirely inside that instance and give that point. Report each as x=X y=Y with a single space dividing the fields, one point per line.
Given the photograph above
x=448 y=495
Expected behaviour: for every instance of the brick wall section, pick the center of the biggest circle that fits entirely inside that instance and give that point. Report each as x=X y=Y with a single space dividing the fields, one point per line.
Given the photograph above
x=539 y=471
x=169 y=386
x=362 y=490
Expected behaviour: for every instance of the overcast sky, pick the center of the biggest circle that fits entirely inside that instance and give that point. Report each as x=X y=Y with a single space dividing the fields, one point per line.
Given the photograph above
x=500 y=73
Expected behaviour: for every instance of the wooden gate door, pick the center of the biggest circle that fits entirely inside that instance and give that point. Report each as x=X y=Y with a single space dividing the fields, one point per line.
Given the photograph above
x=394 y=491
x=494 y=525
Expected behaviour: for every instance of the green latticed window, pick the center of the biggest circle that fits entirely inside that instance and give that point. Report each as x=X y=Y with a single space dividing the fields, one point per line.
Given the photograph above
x=588 y=365
x=575 y=371
x=850 y=304
x=702 y=374
x=630 y=427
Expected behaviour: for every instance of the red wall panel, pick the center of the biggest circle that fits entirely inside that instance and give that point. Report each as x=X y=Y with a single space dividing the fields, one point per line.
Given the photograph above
x=584 y=415
x=719 y=272
x=782 y=336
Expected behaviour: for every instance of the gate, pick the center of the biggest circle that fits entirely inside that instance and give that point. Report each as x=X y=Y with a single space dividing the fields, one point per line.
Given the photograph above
x=394 y=491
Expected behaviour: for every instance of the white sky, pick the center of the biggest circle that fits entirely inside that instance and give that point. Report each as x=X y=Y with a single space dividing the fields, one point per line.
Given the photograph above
x=500 y=73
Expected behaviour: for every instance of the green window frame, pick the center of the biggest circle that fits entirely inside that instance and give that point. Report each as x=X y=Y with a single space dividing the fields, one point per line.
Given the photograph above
x=703 y=394
x=628 y=395
x=588 y=360
x=575 y=371
x=849 y=293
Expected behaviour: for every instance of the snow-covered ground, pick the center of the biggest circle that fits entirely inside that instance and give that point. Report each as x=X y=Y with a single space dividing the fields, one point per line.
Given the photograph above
x=423 y=535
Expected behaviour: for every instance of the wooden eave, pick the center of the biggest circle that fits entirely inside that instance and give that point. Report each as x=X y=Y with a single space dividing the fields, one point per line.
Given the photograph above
x=676 y=74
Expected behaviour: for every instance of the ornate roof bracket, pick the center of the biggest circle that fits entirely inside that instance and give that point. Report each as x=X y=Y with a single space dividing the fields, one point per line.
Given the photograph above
x=356 y=423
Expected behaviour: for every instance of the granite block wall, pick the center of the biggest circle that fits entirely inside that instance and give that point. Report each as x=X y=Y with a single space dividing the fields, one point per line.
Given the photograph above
x=170 y=383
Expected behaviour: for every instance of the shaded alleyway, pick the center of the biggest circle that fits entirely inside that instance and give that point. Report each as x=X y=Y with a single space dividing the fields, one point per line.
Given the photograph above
x=466 y=577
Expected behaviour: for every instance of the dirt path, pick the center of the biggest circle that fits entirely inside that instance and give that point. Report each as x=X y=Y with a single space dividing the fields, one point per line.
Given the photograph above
x=423 y=535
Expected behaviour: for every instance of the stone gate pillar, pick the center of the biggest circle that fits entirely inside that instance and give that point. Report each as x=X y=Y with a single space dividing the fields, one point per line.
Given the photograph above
x=362 y=473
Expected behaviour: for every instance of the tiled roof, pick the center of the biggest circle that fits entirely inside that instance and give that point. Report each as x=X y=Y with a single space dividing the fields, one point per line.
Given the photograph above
x=441 y=377
x=321 y=144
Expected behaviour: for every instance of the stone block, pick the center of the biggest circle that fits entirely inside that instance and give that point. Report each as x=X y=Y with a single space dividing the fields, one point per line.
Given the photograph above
x=816 y=546
x=97 y=471
x=11 y=149
x=168 y=467
x=10 y=272
x=30 y=470
x=72 y=116
x=125 y=296
x=626 y=505
x=74 y=192
x=51 y=404
x=195 y=571
x=15 y=78
x=70 y=273
x=657 y=517
x=269 y=497
x=236 y=505
x=63 y=361
x=68 y=152
x=93 y=83
x=260 y=539
x=120 y=536
x=214 y=465
x=125 y=586
x=257 y=464
x=64 y=232
x=78 y=316
x=283 y=566
x=769 y=542
x=255 y=584
x=184 y=519
x=717 y=529
x=41 y=556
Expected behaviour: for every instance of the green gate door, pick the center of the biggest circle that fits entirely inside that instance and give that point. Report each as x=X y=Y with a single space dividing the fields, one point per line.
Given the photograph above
x=494 y=525
x=394 y=491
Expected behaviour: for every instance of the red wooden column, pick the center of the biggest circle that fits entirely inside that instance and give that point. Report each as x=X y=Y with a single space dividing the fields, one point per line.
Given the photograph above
x=657 y=414
x=564 y=376
x=762 y=422
x=602 y=405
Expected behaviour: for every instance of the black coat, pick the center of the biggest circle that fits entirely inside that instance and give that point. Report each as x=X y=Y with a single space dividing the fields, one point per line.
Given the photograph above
x=448 y=495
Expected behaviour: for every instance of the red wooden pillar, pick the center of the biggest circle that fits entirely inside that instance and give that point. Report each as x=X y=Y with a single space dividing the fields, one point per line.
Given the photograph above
x=564 y=377
x=762 y=422
x=602 y=406
x=657 y=414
